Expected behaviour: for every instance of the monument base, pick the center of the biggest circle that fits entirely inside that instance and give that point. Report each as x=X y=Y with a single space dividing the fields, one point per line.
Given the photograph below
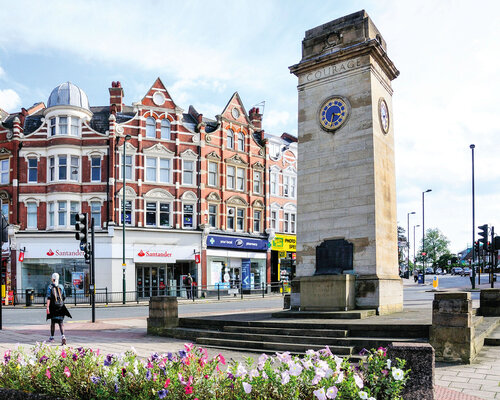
x=382 y=294
x=326 y=293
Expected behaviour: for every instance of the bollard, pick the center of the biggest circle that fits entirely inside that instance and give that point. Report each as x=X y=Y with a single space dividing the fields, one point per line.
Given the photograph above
x=75 y=295
x=218 y=292
x=241 y=290
x=106 y=295
x=263 y=289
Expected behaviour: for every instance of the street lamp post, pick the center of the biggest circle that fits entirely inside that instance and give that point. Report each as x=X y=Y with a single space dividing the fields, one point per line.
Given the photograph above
x=124 y=265
x=472 y=146
x=408 y=235
x=423 y=234
x=414 y=258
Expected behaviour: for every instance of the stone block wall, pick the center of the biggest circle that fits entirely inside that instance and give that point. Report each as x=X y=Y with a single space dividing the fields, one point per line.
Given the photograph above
x=163 y=313
x=489 y=303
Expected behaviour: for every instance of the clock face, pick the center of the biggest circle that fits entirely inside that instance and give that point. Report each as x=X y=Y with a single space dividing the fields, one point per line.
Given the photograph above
x=235 y=113
x=383 y=113
x=333 y=113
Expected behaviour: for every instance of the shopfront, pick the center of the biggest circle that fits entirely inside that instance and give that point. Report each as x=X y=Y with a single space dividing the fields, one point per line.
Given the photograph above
x=283 y=254
x=234 y=261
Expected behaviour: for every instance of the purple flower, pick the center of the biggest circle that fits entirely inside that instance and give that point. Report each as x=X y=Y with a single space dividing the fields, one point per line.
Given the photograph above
x=7 y=356
x=155 y=357
x=182 y=353
x=116 y=388
x=230 y=376
x=148 y=375
x=108 y=360
x=363 y=352
x=170 y=357
x=43 y=359
x=162 y=393
x=75 y=357
x=95 y=380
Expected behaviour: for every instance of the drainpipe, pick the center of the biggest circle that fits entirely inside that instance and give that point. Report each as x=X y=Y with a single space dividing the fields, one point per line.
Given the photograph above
x=20 y=146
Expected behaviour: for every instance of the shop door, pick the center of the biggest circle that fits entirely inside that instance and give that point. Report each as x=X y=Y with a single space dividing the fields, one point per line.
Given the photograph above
x=154 y=281
x=147 y=282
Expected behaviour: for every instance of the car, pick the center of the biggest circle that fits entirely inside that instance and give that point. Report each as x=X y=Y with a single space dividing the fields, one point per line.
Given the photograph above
x=456 y=271
x=429 y=270
x=465 y=271
x=439 y=271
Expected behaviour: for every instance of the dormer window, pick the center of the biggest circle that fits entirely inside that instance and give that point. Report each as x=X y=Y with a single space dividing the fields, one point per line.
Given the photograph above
x=64 y=125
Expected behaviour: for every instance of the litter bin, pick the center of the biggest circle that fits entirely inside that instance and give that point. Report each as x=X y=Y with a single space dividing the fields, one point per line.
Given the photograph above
x=30 y=295
x=420 y=278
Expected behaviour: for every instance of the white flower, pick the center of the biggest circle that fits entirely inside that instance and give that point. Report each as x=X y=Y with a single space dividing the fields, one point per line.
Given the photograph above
x=363 y=395
x=307 y=364
x=264 y=375
x=388 y=364
x=322 y=364
x=372 y=398
x=263 y=358
x=397 y=374
x=253 y=373
x=328 y=372
x=331 y=393
x=295 y=369
x=247 y=387
x=240 y=371
x=320 y=394
x=310 y=352
x=320 y=372
x=284 y=357
x=340 y=378
x=359 y=382
x=285 y=378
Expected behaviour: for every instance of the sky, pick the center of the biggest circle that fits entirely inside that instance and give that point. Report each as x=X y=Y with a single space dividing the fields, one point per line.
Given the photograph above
x=445 y=98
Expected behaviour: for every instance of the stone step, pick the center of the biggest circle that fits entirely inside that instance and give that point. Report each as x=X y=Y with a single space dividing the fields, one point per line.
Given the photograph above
x=354 y=314
x=269 y=346
x=335 y=333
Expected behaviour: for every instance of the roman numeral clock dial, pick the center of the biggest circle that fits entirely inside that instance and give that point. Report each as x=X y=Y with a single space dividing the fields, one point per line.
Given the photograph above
x=333 y=113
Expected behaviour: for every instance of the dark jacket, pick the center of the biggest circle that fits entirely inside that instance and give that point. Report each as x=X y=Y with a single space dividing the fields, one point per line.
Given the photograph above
x=63 y=311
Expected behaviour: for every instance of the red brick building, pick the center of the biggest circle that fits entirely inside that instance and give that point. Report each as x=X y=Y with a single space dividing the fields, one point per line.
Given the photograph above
x=196 y=192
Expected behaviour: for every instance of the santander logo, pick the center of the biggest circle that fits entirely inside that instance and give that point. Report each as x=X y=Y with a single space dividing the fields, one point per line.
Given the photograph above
x=141 y=253
x=50 y=253
x=148 y=253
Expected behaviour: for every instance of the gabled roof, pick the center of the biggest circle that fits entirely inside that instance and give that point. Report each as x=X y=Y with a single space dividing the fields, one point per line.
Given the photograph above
x=158 y=84
x=226 y=112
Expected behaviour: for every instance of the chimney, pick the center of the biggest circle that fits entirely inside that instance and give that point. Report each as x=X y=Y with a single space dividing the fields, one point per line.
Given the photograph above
x=255 y=118
x=116 y=96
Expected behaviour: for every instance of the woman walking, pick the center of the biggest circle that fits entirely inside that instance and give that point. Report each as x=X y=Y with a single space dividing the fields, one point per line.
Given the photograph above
x=56 y=310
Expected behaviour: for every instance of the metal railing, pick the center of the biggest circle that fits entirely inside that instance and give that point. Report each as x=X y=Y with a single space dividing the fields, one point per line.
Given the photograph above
x=221 y=291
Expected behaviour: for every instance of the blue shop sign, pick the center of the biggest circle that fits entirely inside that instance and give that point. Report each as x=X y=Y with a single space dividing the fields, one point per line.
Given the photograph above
x=230 y=242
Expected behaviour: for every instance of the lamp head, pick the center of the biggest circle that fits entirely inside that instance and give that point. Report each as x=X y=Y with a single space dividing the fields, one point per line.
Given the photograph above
x=428 y=190
x=413 y=212
x=472 y=146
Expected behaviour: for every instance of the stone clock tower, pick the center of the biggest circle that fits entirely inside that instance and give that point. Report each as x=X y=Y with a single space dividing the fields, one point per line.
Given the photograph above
x=347 y=255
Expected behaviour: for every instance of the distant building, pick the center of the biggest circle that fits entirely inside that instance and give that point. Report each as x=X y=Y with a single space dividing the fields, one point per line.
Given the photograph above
x=197 y=193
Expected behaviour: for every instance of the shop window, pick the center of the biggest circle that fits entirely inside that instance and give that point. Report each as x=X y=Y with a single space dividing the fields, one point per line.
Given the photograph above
x=32 y=170
x=95 y=212
x=212 y=173
x=157 y=214
x=241 y=141
x=274 y=183
x=230 y=139
x=274 y=219
x=51 y=215
x=74 y=209
x=32 y=215
x=240 y=219
x=230 y=179
x=188 y=216
x=257 y=182
x=95 y=165
x=150 y=127
x=165 y=129
x=240 y=179
x=75 y=168
x=187 y=172
x=212 y=215
x=257 y=215
x=4 y=171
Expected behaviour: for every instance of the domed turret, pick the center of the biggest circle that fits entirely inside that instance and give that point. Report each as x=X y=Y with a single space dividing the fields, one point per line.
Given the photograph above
x=67 y=94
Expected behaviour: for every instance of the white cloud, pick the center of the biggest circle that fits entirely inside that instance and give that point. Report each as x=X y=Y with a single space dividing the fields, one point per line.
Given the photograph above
x=2 y=72
x=276 y=120
x=9 y=100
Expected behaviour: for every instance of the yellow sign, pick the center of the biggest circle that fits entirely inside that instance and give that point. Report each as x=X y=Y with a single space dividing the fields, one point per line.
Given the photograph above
x=3 y=291
x=284 y=243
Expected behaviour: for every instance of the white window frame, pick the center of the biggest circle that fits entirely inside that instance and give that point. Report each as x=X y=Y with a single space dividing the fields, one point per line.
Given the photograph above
x=289 y=221
x=4 y=171
x=32 y=214
x=240 y=180
x=132 y=211
x=230 y=139
x=65 y=125
x=213 y=175
x=293 y=186
x=158 y=211
x=240 y=218
x=51 y=214
x=286 y=185
x=31 y=168
x=211 y=214
x=94 y=167
x=193 y=172
x=71 y=166
x=63 y=211
x=51 y=165
x=241 y=141
x=257 y=182
x=230 y=178
x=150 y=128
x=73 y=126
x=258 y=220
x=274 y=183
x=231 y=214
x=275 y=219
x=131 y=166
x=166 y=127
x=92 y=203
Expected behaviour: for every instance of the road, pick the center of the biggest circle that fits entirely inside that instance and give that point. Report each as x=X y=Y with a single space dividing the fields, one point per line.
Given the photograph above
x=415 y=296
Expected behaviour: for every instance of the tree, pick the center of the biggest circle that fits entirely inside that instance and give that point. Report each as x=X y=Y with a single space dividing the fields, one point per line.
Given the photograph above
x=402 y=245
x=436 y=245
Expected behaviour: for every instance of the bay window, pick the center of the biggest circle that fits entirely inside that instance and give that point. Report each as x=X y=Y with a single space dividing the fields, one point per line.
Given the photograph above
x=63 y=164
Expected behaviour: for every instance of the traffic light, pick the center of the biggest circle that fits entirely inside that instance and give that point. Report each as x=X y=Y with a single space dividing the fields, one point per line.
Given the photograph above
x=81 y=227
x=483 y=232
x=476 y=248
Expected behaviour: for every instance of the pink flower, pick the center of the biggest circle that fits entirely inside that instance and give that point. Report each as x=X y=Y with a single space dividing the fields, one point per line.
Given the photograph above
x=188 y=390
x=48 y=374
x=66 y=372
x=63 y=354
x=97 y=352
x=149 y=365
x=221 y=359
x=167 y=383
x=188 y=347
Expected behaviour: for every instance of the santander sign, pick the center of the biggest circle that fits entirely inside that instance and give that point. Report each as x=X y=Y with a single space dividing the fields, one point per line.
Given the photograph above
x=148 y=253
x=64 y=253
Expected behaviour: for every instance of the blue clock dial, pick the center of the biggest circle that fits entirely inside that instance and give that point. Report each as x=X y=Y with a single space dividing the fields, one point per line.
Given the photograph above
x=333 y=113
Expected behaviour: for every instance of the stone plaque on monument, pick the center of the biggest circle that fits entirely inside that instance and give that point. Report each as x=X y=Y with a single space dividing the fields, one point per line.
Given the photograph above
x=346 y=169
x=333 y=257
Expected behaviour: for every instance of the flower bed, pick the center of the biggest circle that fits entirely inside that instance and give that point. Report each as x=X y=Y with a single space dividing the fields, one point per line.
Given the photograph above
x=190 y=374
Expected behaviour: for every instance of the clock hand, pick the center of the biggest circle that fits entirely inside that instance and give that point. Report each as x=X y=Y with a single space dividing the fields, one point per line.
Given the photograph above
x=331 y=122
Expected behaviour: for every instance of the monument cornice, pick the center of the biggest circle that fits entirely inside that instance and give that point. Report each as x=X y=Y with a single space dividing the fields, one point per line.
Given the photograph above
x=370 y=47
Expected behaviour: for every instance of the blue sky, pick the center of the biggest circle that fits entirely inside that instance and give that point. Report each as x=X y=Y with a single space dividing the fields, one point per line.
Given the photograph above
x=445 y=98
